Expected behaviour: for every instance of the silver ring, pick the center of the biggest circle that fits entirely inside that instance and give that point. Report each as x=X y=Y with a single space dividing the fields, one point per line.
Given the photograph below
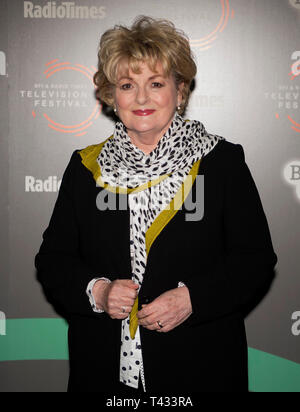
x=159 y=324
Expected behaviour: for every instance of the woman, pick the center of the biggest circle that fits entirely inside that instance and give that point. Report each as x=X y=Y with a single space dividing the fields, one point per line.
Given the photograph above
x=155 y=292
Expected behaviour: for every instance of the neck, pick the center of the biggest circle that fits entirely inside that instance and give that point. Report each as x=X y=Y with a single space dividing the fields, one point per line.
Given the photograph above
x=147 y=141
x=144 y=143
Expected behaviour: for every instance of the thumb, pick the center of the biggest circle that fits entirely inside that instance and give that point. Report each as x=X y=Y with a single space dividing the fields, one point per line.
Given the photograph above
x=134 y=285
x=129 y=282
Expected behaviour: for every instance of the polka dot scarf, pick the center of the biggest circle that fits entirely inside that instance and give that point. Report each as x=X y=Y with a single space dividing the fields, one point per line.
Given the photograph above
x=125 y=165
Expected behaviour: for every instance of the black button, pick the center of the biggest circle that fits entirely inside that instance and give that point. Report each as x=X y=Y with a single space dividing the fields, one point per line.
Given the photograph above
x=144 y=300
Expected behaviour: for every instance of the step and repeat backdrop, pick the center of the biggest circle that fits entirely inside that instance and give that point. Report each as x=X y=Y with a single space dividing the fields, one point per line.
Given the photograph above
x=247 y=89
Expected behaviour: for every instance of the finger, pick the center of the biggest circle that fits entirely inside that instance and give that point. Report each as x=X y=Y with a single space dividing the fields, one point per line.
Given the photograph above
x=155 y=326
x=160 y=330
x=132 y=290
x=166 y=327
x=125 y=309
x=119 y=316
x=121 y=309
x=132 y=294
x=125 y=302
x=120 y=312
x=148 y=310
x=149 y=321
x=140 y=313
x=131 y=284
x=121 y=293
x=128 y=283
x=134 y=285
x=151 y=327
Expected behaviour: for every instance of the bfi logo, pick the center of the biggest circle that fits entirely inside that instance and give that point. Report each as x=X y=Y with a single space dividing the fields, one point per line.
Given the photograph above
x=2 y=324
x=292 y=175
x=2 y=64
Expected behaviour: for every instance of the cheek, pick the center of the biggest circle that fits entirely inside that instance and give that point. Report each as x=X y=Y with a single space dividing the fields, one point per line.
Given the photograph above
x=167 y=99
x=122 y=100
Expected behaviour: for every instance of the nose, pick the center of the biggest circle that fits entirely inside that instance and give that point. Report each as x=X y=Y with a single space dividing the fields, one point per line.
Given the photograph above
x=142 y=95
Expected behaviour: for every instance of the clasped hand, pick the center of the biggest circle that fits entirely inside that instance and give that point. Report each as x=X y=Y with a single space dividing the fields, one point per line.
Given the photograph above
x=169 y=310
x=163 y=314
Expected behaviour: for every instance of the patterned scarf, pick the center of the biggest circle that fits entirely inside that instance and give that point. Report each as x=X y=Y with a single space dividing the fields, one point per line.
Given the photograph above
x=185 y=142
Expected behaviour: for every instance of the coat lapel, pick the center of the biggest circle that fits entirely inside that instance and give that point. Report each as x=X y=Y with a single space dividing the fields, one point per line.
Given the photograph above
x=169 y=212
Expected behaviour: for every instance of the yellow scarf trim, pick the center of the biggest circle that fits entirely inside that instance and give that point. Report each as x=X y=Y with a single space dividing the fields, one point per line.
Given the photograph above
x=159 y=224
x=89 y=158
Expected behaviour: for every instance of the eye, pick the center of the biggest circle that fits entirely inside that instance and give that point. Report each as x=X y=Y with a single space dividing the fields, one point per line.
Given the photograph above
x=157 y=85
x=125 y=86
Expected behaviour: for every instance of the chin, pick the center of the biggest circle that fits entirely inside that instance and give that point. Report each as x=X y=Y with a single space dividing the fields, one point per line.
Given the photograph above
x=143 y=125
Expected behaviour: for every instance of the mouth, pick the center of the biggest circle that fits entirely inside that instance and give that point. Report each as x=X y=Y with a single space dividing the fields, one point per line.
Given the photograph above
x=143 y=112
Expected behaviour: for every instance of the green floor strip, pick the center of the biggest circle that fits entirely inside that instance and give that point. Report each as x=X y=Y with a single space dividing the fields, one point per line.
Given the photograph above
x=42 y=339
x=34 y=339
x=270 y=373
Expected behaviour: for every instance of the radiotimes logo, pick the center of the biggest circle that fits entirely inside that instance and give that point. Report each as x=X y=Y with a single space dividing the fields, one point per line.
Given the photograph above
x=63 y=10
x=287 y=97
x=50 y=185
x=64 y=99
x=216 y=30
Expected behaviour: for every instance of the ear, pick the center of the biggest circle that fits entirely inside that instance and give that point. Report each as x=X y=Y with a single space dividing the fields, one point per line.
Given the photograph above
x=180 y=93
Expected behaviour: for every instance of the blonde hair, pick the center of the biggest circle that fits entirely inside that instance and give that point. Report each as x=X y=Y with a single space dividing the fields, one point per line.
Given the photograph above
x=149 y=41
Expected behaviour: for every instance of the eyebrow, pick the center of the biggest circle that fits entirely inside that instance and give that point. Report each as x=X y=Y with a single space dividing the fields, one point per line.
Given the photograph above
x=130 y=78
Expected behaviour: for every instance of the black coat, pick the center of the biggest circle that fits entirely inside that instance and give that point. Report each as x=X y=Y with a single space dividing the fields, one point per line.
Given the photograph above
x=226 y=260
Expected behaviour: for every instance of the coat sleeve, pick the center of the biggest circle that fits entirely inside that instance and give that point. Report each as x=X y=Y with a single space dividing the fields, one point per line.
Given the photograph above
x=60 y=268
x=237 y=279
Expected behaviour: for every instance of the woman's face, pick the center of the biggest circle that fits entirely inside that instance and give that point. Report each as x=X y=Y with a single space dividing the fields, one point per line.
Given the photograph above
x=146 y=102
